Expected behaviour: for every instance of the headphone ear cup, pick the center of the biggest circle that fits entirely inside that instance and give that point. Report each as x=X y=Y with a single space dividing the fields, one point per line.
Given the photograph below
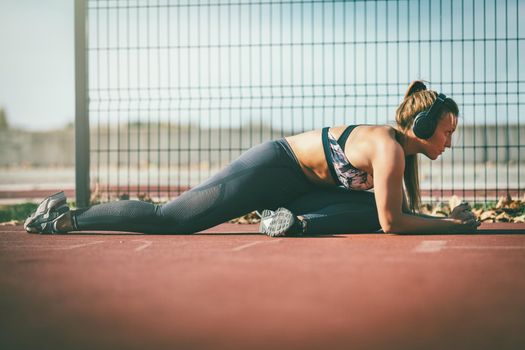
x=423 y=126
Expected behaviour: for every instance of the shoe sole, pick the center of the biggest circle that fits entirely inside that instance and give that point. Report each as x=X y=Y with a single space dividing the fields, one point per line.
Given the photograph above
x=276 y=224
x=46 y=223
x=54 y=201
x=48 y=210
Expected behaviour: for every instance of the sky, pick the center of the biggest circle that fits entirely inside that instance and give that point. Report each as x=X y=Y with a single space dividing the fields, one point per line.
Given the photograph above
x=37 y=63
x=37 y=56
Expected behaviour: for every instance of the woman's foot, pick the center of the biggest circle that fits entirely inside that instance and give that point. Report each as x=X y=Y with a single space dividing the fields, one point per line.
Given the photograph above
x=51 y=216
x=281 y=222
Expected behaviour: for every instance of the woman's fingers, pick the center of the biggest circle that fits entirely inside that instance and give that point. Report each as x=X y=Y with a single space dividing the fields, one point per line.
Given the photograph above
x=472 y=223
x=463 y=215
x=462 y=207
x=465 y=206
x=470 y=214
x=463 y=211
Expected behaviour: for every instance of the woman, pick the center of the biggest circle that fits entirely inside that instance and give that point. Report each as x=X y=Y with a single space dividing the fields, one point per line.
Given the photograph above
x=311 y=183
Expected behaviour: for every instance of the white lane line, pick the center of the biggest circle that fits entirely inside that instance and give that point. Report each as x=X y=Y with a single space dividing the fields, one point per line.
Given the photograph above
x=12 y=247
x=144 y=246
x=244 y=246
x=437 y=246
x=43 y=247
x=430 y=246
x=78 y=245
x=474 y=247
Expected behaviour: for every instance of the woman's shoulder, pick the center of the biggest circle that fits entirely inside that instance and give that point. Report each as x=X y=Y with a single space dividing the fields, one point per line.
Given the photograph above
x=378 y=134
x=366 y=143
x=381 y=141
x=379 y=128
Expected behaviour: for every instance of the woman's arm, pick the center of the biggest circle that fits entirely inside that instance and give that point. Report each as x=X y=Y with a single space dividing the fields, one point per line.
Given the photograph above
x=414 y=223
x=449 y=225
x=388 y=165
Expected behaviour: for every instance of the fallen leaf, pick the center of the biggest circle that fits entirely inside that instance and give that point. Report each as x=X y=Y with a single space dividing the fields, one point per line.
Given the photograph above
x=250 y=218
x=488 y=215
x=517 y=204
x=520 y=218
x=438 y=212
x=477 y=212
x=243 y=221
x=503 y=217
x=453 y=202
x=11 y=223
x=504 y=201
x=426 y=209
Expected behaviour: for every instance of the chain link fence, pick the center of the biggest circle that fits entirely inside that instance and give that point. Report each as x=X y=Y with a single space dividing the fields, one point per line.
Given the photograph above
x=168 y=92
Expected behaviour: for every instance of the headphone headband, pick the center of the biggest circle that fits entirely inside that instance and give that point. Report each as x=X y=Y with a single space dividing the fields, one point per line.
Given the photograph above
x=433 y=112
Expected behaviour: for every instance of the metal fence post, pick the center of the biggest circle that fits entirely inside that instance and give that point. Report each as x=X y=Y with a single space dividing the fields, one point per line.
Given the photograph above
x=81 y=107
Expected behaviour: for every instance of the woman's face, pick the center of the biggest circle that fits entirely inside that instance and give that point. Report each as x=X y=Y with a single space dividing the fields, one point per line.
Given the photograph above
x=442 y=138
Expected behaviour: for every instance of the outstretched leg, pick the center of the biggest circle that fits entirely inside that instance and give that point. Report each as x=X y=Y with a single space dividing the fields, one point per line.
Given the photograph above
x=266 y=176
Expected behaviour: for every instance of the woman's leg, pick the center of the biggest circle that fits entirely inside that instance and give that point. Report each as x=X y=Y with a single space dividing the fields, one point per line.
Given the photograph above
x=336 y=210
x=265 y=176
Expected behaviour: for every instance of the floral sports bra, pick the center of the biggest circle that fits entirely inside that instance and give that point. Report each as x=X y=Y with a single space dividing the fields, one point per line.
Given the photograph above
x=342 y=171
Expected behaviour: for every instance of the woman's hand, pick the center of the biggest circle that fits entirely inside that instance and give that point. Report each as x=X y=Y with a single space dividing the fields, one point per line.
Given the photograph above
x=462 y=212
x=465 y=218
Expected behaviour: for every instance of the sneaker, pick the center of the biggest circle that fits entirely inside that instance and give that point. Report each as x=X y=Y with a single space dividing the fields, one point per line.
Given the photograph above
x=280 y=223
x=44 y=219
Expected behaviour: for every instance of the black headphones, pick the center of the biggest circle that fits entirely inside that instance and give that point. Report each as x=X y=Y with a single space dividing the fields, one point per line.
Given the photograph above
x=425 y=122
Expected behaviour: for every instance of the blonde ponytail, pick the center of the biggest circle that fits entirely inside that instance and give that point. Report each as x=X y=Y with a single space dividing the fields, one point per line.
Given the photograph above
x=415 y=86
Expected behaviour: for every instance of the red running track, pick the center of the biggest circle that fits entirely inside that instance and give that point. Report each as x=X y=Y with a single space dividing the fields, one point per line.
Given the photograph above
x=230 y=288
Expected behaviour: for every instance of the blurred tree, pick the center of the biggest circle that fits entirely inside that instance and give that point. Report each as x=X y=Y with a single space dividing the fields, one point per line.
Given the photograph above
x=3 y=120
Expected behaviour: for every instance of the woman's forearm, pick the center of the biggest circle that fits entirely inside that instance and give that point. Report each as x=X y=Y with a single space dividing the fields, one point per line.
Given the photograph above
x=423 y=215
x=428 y=216
x=415 y=223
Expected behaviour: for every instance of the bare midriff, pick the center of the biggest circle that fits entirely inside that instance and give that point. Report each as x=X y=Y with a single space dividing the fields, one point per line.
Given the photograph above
x=308 y=148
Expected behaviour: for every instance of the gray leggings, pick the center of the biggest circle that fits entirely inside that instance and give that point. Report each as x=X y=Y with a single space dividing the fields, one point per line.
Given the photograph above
x=266 y=176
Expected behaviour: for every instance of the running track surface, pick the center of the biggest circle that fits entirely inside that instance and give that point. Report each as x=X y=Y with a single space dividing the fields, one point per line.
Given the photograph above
x=230 y=288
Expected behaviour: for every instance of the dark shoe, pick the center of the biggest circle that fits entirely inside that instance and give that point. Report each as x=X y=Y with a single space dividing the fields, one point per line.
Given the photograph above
x=45 y=218
x=280 y=223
